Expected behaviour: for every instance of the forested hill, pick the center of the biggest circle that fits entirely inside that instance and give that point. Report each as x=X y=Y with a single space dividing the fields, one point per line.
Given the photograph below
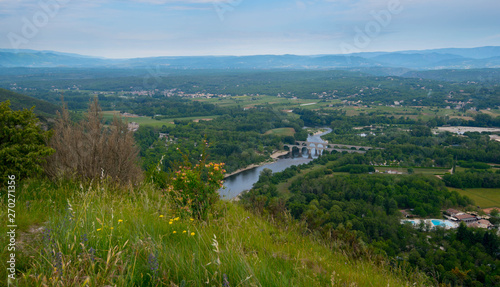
x=20 y=101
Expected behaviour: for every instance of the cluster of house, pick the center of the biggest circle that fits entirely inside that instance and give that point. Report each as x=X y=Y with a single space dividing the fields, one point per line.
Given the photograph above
x=133 y=126
x=389 y=171
x=472 y=220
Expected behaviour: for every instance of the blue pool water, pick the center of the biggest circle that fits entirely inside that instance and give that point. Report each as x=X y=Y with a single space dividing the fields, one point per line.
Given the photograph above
x=443 y=223
x=433 y=222
x=436 y=222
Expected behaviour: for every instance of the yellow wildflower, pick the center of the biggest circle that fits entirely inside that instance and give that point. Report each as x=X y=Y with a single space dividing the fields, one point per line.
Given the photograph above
x=174 y=232
x=184 y=231
x=170 y=222
x=191 y=219
x=112 y=228
x=192 y=233
x=177 y=218
x=99 y=229
x=161 y=215
x=120 y=220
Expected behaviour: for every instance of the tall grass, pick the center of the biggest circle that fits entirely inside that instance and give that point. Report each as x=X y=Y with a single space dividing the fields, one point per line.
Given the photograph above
x=103 y=236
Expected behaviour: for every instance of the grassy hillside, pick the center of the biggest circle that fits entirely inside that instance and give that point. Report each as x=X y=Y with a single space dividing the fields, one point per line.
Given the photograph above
x=20 y=101
x=71 y=235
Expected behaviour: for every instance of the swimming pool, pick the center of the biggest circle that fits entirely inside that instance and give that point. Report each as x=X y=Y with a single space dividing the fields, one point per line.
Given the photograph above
x=431 y=223
x=443 y=223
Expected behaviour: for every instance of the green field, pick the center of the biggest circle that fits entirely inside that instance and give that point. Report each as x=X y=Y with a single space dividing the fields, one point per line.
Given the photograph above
x=148 y=121
x=275 y=102
x=424 y=113
x=483 y=197
x=281 y=132
x=286 y=103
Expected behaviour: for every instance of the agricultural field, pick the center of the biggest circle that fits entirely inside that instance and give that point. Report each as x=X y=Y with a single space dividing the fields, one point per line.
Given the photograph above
x=246 y=101
x=413 y=112
x=424 y=113
x=148 y=121
x=492 y=112
x=483 y=197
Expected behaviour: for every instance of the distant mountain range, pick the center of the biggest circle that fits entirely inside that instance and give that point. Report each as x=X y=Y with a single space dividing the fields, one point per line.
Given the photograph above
x=451 y=58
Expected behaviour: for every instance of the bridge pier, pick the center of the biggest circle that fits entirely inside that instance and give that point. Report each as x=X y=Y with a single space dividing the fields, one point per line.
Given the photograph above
x=303 y=146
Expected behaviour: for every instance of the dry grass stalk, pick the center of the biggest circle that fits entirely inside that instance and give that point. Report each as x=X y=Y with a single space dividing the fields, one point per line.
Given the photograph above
x=90 y=151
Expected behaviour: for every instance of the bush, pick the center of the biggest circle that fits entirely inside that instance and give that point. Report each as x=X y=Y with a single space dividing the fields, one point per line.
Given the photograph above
x=195 y=188
x=90 y=151
x=22 y=143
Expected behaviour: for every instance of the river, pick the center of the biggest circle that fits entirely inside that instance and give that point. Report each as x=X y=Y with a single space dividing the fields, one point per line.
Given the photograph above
x=244 y=180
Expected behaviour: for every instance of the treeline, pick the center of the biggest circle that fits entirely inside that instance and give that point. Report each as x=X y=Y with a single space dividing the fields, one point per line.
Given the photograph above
x=473 y=179
x=475 y=165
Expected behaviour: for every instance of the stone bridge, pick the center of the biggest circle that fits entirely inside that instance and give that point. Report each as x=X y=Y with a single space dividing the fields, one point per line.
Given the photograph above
x=319 y=147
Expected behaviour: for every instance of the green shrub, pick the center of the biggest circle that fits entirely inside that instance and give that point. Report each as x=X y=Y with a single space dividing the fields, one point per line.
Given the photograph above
x=195 y=188
x=22 y=143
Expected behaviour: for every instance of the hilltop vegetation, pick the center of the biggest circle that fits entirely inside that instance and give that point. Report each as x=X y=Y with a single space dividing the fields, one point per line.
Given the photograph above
x=20 y=101
x=103 y=235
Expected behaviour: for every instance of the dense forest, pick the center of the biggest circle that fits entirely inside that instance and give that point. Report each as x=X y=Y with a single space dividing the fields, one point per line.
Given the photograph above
x=473 y=179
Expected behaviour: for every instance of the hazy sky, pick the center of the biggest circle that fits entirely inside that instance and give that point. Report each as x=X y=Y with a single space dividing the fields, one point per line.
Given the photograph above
x=143 y=28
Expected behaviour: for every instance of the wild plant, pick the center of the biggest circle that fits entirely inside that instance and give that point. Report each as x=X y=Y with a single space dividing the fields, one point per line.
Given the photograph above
x=89 y=150
x=194 y=188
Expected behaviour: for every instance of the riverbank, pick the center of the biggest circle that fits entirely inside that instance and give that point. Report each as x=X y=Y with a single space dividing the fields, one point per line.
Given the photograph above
x=321 y=132
x=243 y=179
x=274 y=157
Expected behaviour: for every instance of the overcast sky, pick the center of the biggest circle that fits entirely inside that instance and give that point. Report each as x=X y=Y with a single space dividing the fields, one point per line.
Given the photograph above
x=144 y=28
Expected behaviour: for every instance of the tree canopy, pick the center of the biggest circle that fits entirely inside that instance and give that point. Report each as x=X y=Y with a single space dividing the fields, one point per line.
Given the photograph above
x=22 y=143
